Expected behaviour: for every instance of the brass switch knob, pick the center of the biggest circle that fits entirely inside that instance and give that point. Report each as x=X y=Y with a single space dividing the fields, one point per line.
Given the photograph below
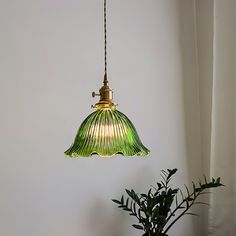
x=94 y=94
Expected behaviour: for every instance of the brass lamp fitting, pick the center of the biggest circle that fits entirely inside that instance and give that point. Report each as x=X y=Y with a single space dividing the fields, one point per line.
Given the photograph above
x=106 y=96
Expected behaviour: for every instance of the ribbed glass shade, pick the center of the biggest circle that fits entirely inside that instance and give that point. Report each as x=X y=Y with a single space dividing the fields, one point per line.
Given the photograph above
x=107 y=132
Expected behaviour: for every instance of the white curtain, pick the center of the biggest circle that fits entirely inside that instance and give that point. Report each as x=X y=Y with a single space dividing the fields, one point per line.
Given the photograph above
x=223 y=143
x=215 y=24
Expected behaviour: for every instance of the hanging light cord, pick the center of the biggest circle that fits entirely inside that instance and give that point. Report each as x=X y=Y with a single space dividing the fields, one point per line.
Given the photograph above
x=105 y=42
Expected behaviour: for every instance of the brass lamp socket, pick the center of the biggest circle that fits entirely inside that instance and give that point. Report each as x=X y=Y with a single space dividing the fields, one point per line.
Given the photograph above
x=106 y=96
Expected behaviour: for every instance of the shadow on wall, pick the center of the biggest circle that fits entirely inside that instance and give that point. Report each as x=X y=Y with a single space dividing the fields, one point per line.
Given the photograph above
x=100 y=221
x=103 y=218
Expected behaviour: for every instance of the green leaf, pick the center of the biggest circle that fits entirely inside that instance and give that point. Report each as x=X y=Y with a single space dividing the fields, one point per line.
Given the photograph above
x=171 y=172
x=159 y=186
x=155 y=212
x=143 y=195
x=133 y=195
x=138 y=227
x=218 y=180
x=149 y=192
x=129 y=193
x=139 y=213
x=116 y=201
x=134 y=207
x=122 y=200
x=127 y=202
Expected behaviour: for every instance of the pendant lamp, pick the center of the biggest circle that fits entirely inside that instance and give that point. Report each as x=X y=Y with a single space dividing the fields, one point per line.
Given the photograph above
x=106 y=131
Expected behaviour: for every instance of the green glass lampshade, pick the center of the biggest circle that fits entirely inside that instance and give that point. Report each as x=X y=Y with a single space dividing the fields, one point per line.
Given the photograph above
x=106 y=132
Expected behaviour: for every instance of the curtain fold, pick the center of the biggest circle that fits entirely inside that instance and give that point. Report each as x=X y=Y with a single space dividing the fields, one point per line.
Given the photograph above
x=222 y=215
x=216 y=51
